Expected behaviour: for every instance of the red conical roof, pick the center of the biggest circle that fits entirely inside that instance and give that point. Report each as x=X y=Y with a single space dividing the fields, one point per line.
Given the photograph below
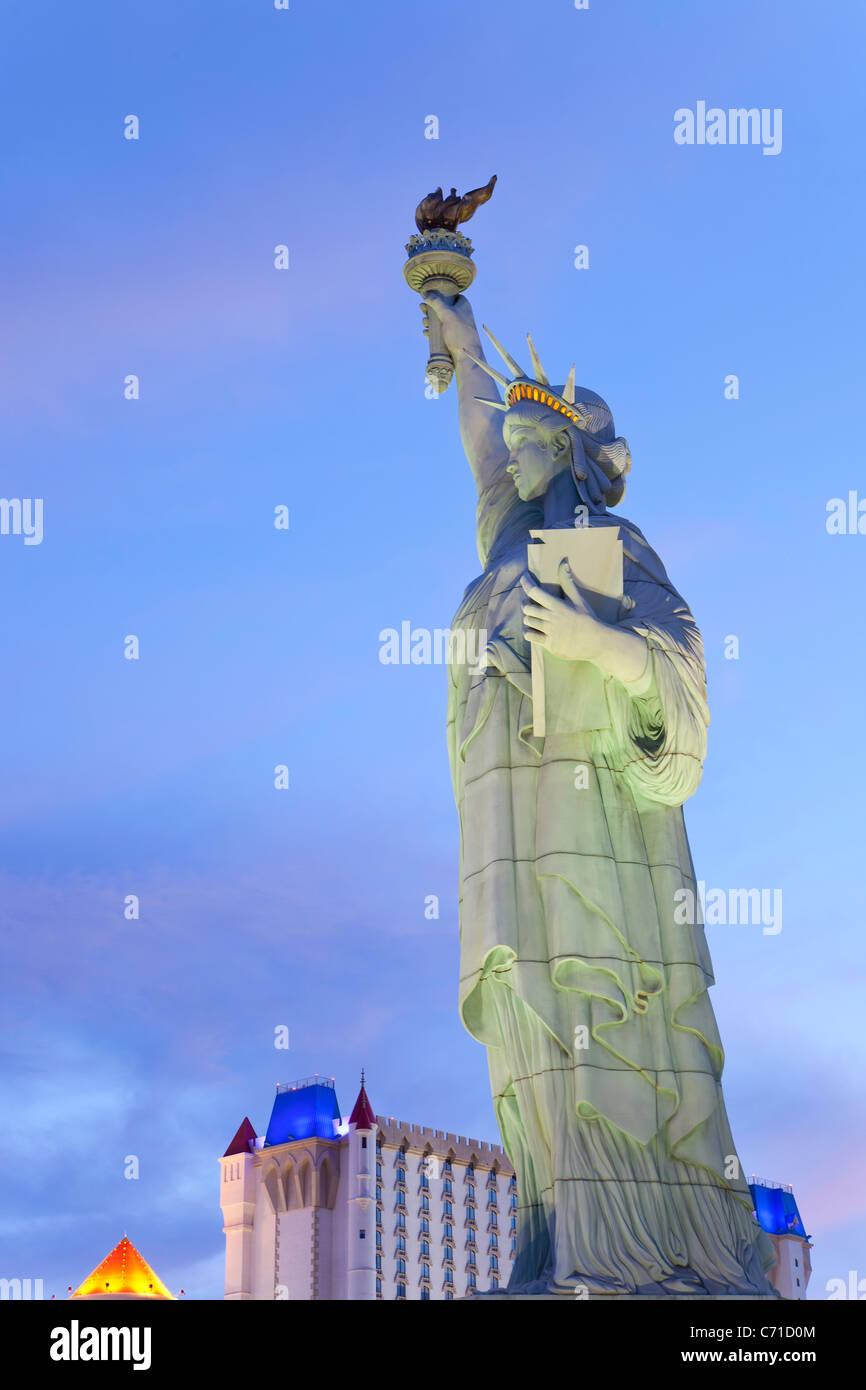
x=241 y=1142
x=362 y=1116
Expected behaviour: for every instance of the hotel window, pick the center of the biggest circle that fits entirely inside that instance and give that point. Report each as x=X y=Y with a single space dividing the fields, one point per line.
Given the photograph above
x=400 y=1199
x=470 y=1192
x=425 y=1271
x=494 y=1241
x=449 y=1231
x=446 y=1166
x=401 y=1290
x=378 y=1146
x=378 y=1194
x=425 y=1294
x=448 y=1252
x=378 y=1172
x=471 y=1280
x=494 y=1261
x=425 y=1247
x=447 y=1186
x=401 y=1242
x=512 y=1181
x=401 y=1219
x=378 y=1264
x=401 y=1265
x=494 y=1283
x=470 y=1170
x=363 y=1141
x=379 y=1239
x=491 y=1197
x=424 y=1182
x=425 y=1202
x=378 y=1287
x=493 y=1220
x=470 y=1213
x=471 y=1257
x=449 y=1297
x=513 y=1247
x=363 y=1235
x=425 y=1226
x=513 y=1201
x=448 y=1277
x=448 y=1209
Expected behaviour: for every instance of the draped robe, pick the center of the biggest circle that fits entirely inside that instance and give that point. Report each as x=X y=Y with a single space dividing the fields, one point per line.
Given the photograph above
x=589 y=995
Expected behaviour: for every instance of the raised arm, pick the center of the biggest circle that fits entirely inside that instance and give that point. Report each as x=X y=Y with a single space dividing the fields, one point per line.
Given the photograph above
x=480 y=427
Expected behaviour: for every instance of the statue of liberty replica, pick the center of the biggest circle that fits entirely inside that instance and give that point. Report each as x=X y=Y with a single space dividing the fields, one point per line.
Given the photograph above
x=574 y=743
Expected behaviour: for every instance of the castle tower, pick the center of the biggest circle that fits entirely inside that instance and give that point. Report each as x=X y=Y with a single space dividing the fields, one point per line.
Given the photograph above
x=238 y=1202
x=360 y=1197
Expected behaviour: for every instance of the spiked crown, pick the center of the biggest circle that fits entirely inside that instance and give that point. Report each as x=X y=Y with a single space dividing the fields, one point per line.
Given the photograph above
x=522 y=387
x=591 y=415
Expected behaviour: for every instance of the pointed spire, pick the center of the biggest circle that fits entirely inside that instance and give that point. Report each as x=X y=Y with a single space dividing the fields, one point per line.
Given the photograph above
x=494 y=405
x=241 y=1142
x=509 y=361
x=491 y=371
x=362 y=1116
x=568 y=391
x=540 y=375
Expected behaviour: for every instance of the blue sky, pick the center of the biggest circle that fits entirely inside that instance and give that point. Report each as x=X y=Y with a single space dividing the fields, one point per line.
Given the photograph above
x=305 y=388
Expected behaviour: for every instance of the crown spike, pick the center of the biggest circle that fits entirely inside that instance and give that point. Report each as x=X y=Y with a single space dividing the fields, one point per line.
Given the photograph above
x=509 y=361
x=494 y=405
x=568 y=390
x=485 y=367
x=540 y=374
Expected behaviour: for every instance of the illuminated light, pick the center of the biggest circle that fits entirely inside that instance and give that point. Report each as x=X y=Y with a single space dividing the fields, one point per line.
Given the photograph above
x=535 y=395
x=130 y=1274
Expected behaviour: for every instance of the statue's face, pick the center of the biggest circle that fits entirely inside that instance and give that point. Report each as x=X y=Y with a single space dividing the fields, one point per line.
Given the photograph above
x=534 y=459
